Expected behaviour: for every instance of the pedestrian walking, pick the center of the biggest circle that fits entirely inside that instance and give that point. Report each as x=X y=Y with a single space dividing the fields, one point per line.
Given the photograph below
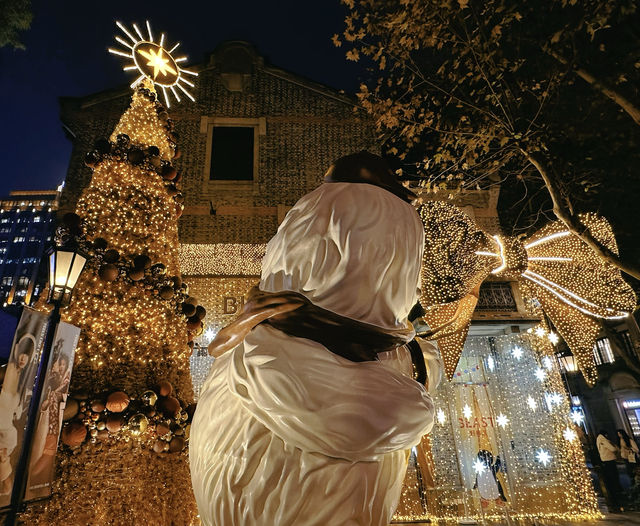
x=608 y=455
x=628 y=452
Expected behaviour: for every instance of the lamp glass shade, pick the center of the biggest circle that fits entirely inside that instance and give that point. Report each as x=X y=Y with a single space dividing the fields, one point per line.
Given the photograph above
x=65 y=267
x=568 y=362
x=76 y=269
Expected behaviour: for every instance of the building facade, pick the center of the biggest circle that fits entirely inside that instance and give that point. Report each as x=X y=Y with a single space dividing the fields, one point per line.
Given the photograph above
x=27 y=223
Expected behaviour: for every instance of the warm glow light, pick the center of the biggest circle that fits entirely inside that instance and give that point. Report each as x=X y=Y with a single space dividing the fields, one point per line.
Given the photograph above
x=479 y=466
x=158 y=65
x=503 y=261
x=491 y=363
x=577 y=417
x=157 y=61
x=547 y=239
x=210 y=334
x=554 y=288
x=540 y=331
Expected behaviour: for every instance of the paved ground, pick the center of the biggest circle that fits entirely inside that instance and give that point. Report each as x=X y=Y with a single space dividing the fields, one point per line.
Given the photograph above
x=611 y=519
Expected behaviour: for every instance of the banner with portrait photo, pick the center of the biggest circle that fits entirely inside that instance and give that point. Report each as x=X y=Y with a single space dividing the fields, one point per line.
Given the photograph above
x=15 y=396
x=51 y=411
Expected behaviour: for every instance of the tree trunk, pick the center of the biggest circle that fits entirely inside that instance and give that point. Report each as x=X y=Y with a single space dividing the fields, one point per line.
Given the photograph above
x=606 y=90
x=564 y=213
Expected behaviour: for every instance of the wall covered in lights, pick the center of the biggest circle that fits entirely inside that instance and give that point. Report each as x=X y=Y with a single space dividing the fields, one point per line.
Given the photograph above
x=504 y=440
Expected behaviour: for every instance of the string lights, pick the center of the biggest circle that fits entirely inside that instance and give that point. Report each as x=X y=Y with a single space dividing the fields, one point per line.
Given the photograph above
x=541 y=466
x=221 y=259
x=573 y=286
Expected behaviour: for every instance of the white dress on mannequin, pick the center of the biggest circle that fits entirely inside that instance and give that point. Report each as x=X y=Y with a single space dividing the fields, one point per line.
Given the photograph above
x=287 y=432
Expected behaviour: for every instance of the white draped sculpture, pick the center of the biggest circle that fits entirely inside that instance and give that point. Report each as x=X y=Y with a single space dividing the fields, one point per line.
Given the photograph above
x=288 y=433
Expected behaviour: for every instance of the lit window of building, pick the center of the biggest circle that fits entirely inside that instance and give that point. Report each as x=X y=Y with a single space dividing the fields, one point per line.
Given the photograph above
x=28 y=227
x=602 y=352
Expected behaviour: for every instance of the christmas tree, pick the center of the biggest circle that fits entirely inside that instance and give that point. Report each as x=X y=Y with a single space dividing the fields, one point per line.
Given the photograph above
x=123 y=457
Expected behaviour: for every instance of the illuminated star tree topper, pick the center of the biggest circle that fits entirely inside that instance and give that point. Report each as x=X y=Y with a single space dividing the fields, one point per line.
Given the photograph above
x=154 y=61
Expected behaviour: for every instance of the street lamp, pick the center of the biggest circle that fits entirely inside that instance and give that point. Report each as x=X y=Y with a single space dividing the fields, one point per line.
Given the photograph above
x=65 y=266
x=567 y=362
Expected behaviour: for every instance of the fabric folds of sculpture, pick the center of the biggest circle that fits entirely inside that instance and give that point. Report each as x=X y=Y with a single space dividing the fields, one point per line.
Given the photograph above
x=357 y=258
x=313 y=399
x=287 y=432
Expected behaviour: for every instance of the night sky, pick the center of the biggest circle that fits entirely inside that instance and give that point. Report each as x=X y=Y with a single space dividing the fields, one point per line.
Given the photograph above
x=67 y=55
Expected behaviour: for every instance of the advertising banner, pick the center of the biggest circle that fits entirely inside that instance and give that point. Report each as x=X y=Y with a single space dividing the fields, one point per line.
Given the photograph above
x=50 y=412
x=16 y=392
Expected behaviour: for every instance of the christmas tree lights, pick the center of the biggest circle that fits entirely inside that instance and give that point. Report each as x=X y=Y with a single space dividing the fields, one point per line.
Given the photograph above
x=123 y=457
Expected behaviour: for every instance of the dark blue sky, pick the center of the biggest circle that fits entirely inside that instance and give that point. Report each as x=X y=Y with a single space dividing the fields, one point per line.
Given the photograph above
x=66 y=56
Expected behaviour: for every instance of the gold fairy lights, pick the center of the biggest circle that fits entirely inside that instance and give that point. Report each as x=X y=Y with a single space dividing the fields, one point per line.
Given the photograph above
x=221 y=259
x=574 y=286
x=546 y=475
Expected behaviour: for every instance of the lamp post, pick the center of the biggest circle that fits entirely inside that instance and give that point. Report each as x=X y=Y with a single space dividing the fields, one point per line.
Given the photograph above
x=65 y=267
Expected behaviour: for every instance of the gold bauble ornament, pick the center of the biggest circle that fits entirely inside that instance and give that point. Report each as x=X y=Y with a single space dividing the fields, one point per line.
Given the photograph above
x=162 y=429
x=117 y=401
x=71 y=409
x=149 y=397
x=158 y=446
x=74 y=434
x=138 y=424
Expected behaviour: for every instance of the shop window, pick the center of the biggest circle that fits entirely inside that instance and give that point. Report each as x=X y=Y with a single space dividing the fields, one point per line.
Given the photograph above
x=232 y=153
x=602 y=351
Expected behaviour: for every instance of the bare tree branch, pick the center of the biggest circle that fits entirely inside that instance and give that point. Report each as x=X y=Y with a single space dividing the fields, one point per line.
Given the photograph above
x=563 y=211
x=603 y=87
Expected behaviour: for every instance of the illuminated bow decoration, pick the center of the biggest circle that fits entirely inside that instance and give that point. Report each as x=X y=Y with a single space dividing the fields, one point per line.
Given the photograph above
x=572 y=285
